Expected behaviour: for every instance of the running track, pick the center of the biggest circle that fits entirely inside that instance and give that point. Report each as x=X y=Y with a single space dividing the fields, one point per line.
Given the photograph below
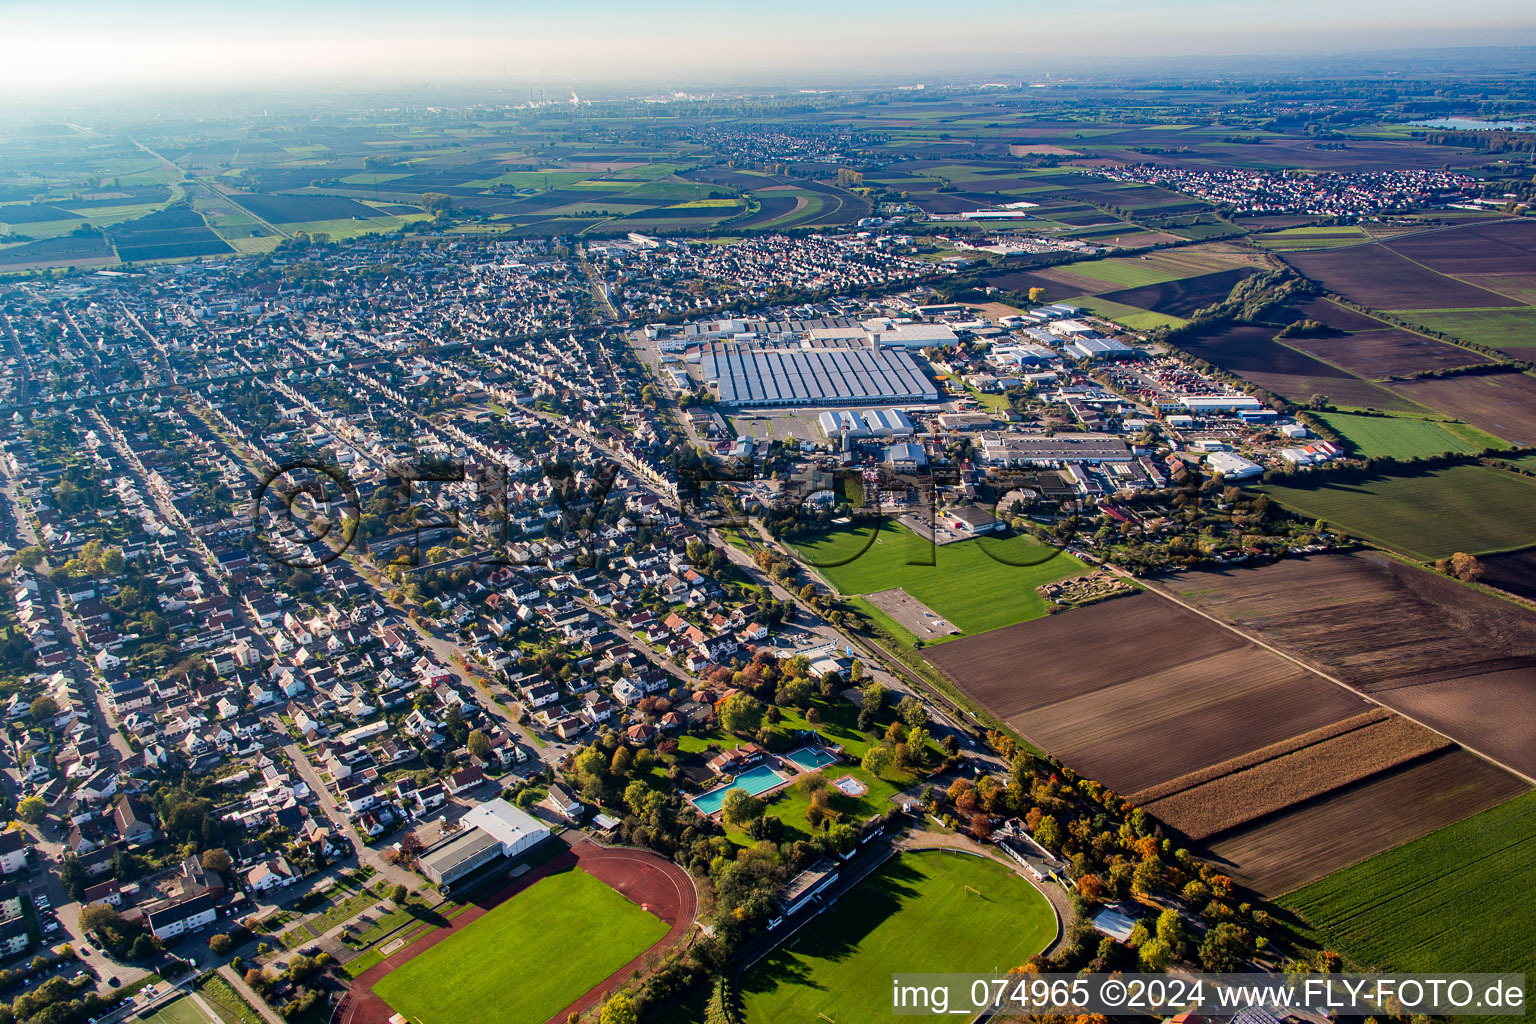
x=645 y=878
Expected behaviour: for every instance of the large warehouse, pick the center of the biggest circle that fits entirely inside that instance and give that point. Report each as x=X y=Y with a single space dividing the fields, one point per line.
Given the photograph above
x=749 y=375
x=494 y=830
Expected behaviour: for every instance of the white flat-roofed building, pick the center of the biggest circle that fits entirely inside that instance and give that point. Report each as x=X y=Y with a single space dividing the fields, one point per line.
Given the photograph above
x=493 y=830
x=894 y=335
x=866 y=423
x=1232 y=466
x=1000 y=449
x=1219 y=403
x=516 y=830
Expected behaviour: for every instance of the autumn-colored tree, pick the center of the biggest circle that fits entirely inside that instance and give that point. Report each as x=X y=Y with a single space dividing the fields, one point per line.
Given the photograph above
x=1091 y=888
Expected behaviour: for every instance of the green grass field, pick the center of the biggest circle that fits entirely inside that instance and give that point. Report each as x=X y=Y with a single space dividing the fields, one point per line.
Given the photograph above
x=1316 y=237
x=1404 y=437
x=178 y=1011
x=1430 y=515
x=1134 y=317
x=1506 y=328
x=1126 y=273
x=965 y=585
x=1455 y=900
x=545 y=947
x=914 y=914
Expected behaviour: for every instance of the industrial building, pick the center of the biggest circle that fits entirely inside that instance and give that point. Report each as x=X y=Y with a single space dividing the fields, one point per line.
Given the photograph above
x=856 y=423
x=1232 y=466
x=494 y=830
x=889 y=334
x=1021 y=450
x=759 y=376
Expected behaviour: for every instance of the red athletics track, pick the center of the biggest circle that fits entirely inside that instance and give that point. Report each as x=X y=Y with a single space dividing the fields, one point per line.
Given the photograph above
x=646 y=879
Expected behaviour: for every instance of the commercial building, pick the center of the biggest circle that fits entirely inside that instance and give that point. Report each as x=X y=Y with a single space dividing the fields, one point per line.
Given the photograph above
x=1020 y=450
x=756 y=376
x=493 y=830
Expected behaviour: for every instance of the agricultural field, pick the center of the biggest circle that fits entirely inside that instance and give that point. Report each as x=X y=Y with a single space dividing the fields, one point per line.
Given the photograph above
x=1308 y=237
x=1251 y=351
x=173 y=233
x=977 y=585
x=1181 y=297
x=1153 y=669
x=1376 y=355
x=1510 y=329
x=509 y=950
x=1270 y=755
x=1457 y=899
x=1503 y=404
x=914 y=913
x=1405 y=437
x=1458 y=660
x=1240 y=791
x=1429 y=514
x=1376 y=276
x=1312 y=839
x=1131 y=316
x=1514 y=572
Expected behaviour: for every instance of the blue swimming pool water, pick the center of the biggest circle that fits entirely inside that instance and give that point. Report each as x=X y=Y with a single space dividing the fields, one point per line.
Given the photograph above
x=811 y=758
x=758 y=780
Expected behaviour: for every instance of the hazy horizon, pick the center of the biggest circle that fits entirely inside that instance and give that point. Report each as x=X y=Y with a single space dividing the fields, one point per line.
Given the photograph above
x=83 y=46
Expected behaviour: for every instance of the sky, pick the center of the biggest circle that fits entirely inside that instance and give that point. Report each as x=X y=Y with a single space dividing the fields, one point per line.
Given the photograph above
x=59 y=46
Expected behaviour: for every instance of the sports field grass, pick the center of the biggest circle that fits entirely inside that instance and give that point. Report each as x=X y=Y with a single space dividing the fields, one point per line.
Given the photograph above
x=1504 y=328
x=966 y=585
x=544 y=947
x=1455 y=900
x=914 y=914
x=1405 y=438
x=1428 y=515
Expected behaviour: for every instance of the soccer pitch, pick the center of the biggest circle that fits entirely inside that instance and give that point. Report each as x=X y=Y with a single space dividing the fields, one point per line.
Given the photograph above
x=920 y=912
x=976 y=584
x=539 y=951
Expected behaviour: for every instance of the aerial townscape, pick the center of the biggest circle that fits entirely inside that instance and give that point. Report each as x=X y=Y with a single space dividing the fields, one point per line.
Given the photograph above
x=495 y=546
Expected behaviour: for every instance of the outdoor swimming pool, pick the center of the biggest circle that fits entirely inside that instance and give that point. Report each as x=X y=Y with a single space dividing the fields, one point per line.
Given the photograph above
x=758 y=780
x=811 y=758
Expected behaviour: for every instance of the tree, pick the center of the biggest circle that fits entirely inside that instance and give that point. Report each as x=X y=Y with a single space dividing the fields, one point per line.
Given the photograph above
x=479 y=744
x=216 y=860
x=99 y=917
x=44 y=707
x=1226 y=948
x=32 y=809
x=29 y=556
x=399 y=894
x=73 y=877
x=1170 y=928
x=620 y=1009
x=622 y=762
x=877 y=759
x=1091 y=888
x=1464 y=567
x=741 y=713
x=1037 y=295
x=410 y=849
x=740 y=807
x=1048 y=832
x=221 y=944
x=1155 y=955
x=912 y=712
